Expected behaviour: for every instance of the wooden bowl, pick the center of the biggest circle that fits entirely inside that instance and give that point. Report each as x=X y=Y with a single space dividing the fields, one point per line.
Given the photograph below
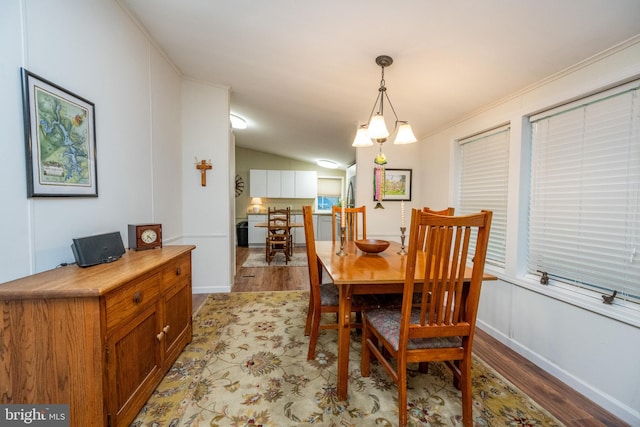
x=372 y=246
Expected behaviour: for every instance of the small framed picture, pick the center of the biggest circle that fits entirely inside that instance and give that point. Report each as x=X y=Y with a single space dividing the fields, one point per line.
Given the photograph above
x=60 y=140
x=396 y=184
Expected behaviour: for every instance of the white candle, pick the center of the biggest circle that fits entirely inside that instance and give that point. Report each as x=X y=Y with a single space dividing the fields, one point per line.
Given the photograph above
x=343 y=219
x=402 y=213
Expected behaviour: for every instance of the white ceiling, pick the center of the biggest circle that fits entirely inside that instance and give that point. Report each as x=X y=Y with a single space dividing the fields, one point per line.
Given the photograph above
x=303 y=72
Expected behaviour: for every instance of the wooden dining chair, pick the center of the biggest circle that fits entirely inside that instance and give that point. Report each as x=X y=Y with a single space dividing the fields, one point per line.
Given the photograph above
x=447 y=212
x=324 y=297
x=441 y=329
x=355 y=222
x=279 y=237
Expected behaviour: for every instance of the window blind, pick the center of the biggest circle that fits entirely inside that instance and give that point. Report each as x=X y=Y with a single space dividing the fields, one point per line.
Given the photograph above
x=585 y=192
x=483 y=184
x=329 y=186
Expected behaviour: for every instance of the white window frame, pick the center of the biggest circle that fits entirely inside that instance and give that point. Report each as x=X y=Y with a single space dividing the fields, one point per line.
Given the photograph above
x=583 y=285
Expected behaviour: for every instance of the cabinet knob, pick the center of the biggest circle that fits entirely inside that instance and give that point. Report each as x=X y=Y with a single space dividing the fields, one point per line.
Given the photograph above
x=178 y=271
x=166 y=329
x=160 y=336
x=137 y=297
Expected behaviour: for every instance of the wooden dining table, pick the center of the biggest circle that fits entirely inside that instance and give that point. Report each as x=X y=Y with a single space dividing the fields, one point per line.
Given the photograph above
x=361 y=273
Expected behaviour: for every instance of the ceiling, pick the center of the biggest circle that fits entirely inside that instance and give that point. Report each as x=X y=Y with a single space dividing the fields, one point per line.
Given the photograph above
x=303 y=73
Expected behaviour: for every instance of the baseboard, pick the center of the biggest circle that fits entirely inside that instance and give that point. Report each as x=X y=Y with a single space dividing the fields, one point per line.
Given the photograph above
x=210 y=289
x=617 y=408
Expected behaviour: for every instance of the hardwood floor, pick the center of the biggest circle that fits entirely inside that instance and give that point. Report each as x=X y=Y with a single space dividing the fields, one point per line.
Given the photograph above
x=569 y=406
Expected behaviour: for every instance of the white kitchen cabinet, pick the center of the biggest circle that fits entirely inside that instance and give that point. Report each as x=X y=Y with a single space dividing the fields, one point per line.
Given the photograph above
x=288 y=184
x=274 y=189
x=298 y=232
x=324 y=227
x=257 y=235
x=306 y=184
x=283 y=184
x=257 y=183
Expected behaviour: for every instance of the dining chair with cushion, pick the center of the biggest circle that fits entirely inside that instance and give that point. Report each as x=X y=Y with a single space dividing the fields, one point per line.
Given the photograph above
x=279 y=237
x=324 y=297
x=355 y=222
x=441 y=329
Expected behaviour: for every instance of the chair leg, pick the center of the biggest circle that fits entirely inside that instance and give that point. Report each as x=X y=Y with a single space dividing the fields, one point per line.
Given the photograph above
x=365 y=357
x=402 y=392
x=315 y=331
x=307 y=326
x=465 y=388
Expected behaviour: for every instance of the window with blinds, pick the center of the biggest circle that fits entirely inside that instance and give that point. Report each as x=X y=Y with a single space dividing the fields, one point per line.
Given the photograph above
x=484 y=176
x=584 y=218
x=329 y=193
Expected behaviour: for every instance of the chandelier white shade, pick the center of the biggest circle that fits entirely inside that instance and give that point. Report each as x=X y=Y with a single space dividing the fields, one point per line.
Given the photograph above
x=362 y=137
x=404 y=135
x=376 y=129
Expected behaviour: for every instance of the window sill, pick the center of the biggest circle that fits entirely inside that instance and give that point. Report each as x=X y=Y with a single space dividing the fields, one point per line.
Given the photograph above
x=621 y=311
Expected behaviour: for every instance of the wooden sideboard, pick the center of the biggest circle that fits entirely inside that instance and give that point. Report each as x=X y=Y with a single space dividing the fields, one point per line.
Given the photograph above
x=100 y=338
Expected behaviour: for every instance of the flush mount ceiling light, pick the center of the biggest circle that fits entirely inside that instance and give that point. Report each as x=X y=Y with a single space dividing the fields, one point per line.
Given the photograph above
x=329 y=164
x=237 y=122
x=376 y=129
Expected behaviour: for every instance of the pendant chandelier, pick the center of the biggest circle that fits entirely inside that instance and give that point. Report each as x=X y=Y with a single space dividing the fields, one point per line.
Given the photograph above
x=376 y=129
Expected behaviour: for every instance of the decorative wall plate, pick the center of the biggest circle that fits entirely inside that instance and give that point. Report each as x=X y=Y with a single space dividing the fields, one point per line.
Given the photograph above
x=239 y=185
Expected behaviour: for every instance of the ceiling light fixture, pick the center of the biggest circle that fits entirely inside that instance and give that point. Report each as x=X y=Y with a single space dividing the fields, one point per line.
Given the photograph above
x=376 y=129
x=329 y=164
x=237 y=122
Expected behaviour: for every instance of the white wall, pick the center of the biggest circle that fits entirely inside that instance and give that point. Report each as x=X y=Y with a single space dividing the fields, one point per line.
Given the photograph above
x=206 y=210
x=385 y=223
x=144 y=159
x=595 y=353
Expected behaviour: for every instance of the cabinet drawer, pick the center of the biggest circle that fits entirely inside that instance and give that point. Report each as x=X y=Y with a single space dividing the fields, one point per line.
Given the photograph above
x=131 y=299
x=176 y=272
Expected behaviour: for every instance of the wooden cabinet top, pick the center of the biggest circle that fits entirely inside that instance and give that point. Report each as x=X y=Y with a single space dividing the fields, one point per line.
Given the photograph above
x=73 y=281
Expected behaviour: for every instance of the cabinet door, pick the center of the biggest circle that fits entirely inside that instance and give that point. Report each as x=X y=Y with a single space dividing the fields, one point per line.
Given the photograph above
x=298 y=232
x=306 y=184
x=177 y=321
x=257 y=235
x=287 y=184
x=273 y=184
x=324 y=227
x=134 y=364
x=257 y=183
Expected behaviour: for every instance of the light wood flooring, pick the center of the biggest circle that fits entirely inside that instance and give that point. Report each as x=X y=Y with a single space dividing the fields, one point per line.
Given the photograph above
x=569 y=406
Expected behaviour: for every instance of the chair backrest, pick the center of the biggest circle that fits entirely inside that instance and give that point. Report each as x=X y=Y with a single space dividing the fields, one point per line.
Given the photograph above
x=446 y=212
x=278 y=221
x=312 y=259
x=448 y=306
x=355 y=222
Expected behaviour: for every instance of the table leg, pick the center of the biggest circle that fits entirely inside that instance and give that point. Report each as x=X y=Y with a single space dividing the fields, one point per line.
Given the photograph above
x=344 y=332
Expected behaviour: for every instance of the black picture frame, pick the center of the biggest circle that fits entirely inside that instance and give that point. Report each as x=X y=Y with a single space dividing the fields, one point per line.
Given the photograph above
x=60 y=140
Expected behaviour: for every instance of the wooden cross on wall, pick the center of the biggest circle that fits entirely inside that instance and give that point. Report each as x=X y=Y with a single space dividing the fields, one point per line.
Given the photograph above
x=203 y=167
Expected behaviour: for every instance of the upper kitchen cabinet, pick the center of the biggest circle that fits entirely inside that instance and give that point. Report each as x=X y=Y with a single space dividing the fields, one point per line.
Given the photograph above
x=274 y=184
x=257 y=183
x=306 y=184
x=285 y=184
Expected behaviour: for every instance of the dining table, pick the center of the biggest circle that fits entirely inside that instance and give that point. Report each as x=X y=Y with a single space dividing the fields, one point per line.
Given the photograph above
x=357 y=272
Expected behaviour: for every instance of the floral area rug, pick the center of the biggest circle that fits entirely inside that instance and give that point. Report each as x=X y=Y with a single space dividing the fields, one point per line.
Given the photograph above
x=246 y=366
x=259 y=260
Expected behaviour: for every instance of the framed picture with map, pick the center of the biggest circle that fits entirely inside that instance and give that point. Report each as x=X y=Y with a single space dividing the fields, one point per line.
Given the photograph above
x=60 y=140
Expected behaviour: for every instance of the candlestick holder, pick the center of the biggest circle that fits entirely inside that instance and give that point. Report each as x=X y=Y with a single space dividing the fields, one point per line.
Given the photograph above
x=342 y=239
x=402 y=251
